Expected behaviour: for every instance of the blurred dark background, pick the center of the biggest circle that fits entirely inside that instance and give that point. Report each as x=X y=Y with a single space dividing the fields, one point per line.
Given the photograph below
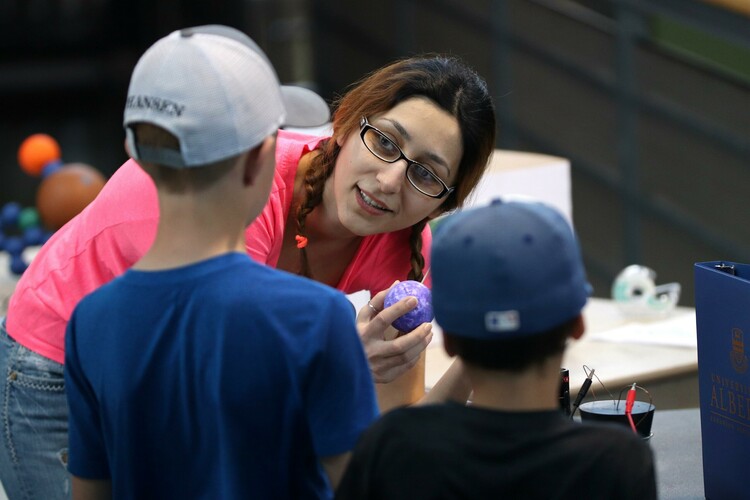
x=649 y=99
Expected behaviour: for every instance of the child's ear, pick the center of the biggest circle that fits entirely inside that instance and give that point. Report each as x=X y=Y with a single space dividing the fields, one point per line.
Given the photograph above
x=250 y=166
x=578 y=328
x=257 y=158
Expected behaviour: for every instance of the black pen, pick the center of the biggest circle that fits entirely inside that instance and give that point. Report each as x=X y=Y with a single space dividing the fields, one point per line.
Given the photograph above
x=582 y=393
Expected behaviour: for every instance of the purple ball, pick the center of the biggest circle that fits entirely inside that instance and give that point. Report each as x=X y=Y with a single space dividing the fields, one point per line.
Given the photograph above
x=420 y=314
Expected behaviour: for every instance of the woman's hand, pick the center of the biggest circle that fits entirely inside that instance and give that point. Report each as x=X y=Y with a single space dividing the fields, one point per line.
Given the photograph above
x=390 y=354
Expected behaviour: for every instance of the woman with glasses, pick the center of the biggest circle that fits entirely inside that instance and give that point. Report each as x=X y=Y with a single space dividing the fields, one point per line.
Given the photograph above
x=410 y=141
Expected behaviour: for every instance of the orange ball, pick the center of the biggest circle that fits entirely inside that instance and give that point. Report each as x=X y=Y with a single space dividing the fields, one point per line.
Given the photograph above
x=36 y=151
x=67 y=191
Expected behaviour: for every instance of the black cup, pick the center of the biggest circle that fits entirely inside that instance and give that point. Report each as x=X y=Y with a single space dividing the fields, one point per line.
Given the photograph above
x=608 y=410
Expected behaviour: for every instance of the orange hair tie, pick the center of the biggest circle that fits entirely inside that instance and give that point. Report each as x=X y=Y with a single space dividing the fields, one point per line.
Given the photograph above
x=301 y=241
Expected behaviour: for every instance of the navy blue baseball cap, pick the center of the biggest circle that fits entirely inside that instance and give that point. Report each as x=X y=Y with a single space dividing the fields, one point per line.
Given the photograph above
x=506 y=270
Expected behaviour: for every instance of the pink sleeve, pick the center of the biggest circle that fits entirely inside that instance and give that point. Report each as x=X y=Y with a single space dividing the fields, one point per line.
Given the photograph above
x=100 y=243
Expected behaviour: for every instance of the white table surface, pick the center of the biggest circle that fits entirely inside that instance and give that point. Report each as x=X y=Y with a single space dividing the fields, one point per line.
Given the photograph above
x=617 y=363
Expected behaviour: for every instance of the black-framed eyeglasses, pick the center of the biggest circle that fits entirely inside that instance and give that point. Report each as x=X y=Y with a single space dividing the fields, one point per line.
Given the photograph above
x=419 y=176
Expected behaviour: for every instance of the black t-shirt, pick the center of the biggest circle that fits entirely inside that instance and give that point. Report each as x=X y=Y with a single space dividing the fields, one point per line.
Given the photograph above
x=453 y=451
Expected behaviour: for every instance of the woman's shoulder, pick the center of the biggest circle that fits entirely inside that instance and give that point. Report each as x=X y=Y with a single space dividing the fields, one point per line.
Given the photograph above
x=298 y=141
x=291 y=147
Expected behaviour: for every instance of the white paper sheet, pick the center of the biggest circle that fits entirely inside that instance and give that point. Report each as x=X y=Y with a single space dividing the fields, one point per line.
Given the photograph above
x=359 y=299
x=678 y=331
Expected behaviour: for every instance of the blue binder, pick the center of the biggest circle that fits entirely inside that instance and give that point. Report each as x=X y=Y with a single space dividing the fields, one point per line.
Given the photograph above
x=722 y=307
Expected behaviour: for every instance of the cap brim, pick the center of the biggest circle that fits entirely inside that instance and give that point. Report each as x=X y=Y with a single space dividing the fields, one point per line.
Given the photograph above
x=304 y=108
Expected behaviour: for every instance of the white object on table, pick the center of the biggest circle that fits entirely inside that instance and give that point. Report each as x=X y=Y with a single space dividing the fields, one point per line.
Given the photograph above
x=616 y=363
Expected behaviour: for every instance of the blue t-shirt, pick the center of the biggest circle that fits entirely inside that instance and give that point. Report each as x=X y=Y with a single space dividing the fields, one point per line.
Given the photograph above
x=222 y=379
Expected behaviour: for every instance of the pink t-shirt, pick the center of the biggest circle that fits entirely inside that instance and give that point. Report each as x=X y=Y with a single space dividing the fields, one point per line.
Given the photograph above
x=119 y=226
x=381 y=258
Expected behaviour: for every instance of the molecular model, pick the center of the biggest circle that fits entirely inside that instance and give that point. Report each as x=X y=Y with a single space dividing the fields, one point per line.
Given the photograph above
x=65 y=190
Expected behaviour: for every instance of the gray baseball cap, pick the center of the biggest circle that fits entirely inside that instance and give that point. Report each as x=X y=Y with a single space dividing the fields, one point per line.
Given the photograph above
x=214 y=89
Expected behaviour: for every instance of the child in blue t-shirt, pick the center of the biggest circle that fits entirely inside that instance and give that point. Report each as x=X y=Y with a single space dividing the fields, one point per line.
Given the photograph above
x=199 y=373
